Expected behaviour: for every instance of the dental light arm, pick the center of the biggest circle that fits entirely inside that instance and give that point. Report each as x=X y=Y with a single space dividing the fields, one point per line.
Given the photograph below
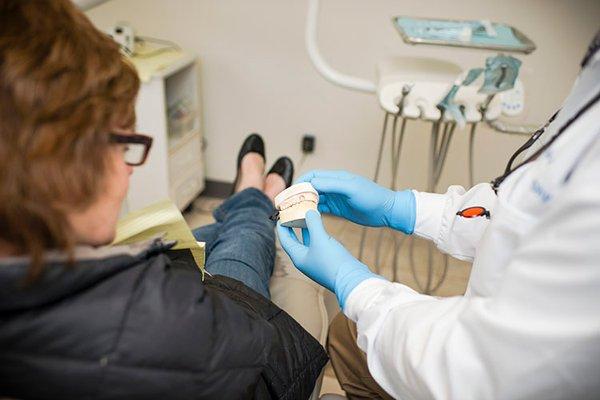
x=333 y=76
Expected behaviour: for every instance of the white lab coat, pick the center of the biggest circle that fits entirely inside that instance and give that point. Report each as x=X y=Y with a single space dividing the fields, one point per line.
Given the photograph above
x=528 y=326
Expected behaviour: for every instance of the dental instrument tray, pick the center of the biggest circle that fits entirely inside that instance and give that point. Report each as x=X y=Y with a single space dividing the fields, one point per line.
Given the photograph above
x=481 y=34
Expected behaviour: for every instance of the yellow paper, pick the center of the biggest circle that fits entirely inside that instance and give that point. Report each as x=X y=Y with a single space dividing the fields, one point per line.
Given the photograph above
x=160 y=218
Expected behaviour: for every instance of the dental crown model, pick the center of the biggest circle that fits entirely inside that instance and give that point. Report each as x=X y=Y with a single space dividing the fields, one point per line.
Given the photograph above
x=294 y=202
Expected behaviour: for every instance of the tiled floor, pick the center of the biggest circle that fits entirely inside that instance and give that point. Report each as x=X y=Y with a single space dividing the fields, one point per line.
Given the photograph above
x=379 y=250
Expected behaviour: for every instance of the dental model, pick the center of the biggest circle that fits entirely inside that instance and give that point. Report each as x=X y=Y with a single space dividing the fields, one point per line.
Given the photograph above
x=294 y=202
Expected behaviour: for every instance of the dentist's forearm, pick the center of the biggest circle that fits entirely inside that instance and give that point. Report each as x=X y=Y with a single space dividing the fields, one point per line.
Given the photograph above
x=437 y=219
x=403 y=213
x=346 y=283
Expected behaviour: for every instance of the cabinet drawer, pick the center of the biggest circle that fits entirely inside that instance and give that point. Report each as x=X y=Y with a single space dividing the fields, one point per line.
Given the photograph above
x=184 y=158
x=186 y=190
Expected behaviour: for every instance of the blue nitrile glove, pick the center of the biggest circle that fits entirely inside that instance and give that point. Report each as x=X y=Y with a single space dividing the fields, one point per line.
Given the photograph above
x=362 y=201
x=323 y=259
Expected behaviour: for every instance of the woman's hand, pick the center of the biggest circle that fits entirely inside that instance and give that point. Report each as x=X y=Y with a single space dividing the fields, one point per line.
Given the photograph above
x=323 y=259
x=362 y=201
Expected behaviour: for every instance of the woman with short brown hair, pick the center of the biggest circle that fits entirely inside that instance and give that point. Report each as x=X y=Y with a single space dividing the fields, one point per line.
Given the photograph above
x=63 y=87
x=79 y=319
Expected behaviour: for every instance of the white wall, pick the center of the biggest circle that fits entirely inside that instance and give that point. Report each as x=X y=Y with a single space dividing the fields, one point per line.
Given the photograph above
x=256 y=76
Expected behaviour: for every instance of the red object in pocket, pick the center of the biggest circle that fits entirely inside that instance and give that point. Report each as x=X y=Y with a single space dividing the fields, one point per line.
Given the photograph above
x=474 y=212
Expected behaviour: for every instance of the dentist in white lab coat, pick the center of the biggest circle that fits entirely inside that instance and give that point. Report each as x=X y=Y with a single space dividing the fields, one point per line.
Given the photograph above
x=528 y=326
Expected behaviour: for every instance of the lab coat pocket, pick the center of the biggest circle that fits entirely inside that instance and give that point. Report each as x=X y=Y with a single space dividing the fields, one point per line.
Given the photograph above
x=463 y=236
x=501 y=239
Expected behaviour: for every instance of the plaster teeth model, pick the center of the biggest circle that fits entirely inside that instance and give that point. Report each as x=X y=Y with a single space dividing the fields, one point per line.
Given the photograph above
x=294 y=202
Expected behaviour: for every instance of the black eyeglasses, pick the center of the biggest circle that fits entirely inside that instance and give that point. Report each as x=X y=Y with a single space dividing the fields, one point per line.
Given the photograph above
x=136 y=149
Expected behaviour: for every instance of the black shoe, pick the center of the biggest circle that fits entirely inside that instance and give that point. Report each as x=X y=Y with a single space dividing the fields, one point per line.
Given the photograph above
x=253 y=144
x=283 y=167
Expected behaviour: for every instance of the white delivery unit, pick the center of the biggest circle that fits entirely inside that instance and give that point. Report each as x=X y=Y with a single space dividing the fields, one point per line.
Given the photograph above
x=168 y=109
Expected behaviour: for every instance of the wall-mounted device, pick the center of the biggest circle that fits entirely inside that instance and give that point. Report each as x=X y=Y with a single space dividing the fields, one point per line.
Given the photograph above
x=124 y=35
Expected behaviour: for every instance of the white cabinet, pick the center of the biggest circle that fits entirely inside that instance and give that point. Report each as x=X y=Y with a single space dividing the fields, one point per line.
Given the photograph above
x=175 y=166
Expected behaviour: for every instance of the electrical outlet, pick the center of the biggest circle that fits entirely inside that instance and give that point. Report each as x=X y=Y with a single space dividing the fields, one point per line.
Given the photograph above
x=308 y=144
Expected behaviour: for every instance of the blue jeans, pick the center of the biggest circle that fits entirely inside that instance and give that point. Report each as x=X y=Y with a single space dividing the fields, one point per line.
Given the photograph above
x=241 y=243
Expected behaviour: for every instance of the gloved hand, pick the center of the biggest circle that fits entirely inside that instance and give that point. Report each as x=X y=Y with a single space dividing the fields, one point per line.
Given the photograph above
x=323 y=259
x=362 y=201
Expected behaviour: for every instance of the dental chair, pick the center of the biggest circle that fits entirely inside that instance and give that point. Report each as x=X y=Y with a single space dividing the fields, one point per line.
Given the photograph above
x=308 y=303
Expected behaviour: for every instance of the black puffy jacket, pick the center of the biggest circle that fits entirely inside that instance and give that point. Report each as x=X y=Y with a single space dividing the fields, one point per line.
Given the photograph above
x=137 y=322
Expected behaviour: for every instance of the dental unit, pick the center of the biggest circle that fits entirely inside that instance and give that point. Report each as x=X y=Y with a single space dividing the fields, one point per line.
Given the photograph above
x=437 y=92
